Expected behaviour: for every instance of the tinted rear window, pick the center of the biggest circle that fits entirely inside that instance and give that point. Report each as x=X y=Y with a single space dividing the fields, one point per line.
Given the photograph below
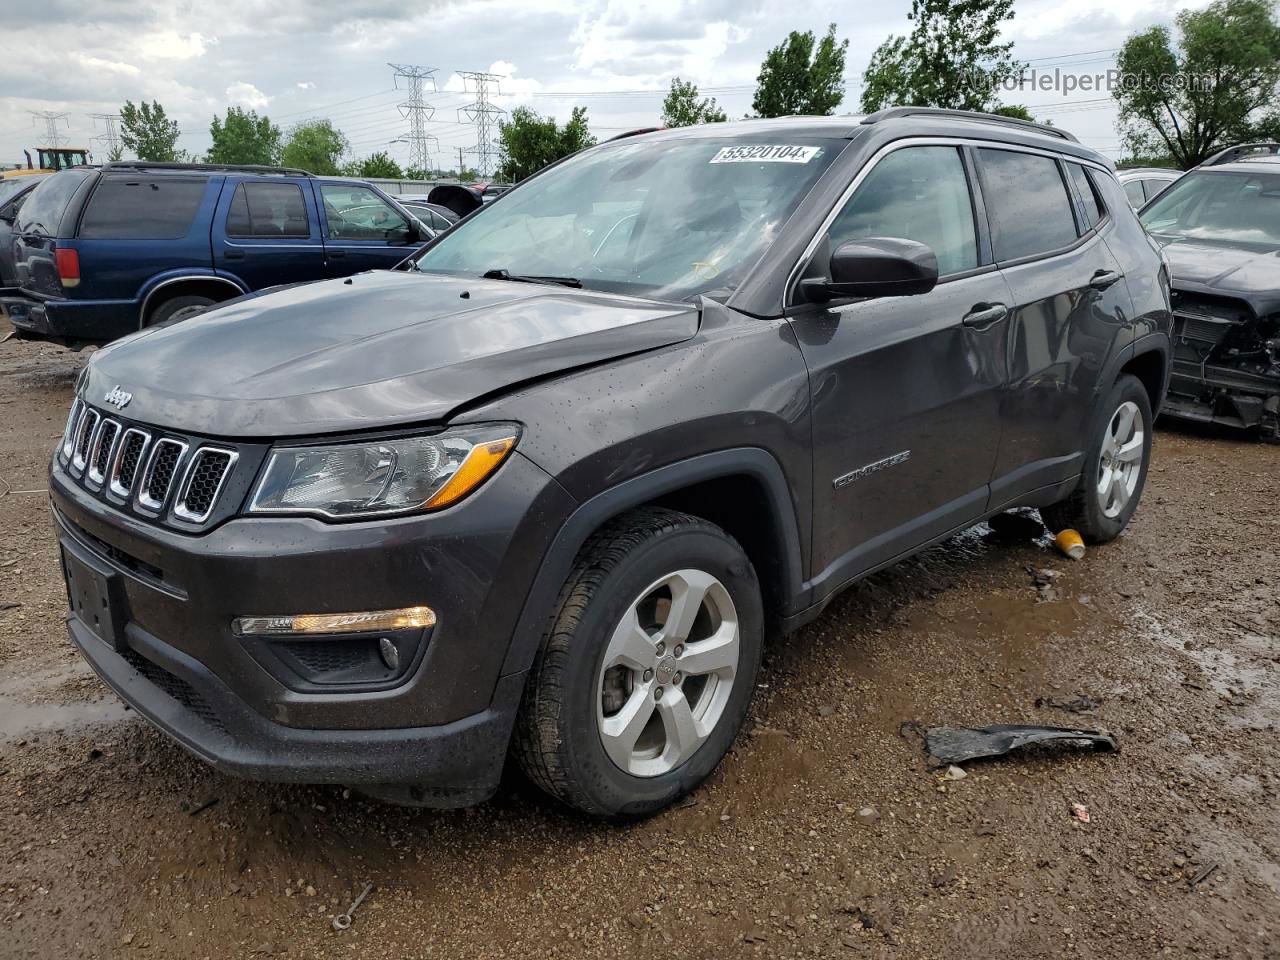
x=268 y=210
x=1027 y=203
x=45 y=205
x=128 y=209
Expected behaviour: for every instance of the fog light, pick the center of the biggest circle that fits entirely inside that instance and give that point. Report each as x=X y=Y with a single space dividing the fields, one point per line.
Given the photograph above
x=406 y=618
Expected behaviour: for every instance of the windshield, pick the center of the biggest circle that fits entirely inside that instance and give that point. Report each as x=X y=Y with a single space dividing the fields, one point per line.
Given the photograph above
x=1242 y=209
x=42 y=211
x=11 y=185
x=665 y=219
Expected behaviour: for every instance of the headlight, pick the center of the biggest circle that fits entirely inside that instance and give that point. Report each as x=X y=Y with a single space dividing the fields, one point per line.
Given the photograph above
x=383 y=476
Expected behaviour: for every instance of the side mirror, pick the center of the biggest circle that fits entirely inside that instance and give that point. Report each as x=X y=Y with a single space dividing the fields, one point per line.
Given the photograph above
x=876 y=267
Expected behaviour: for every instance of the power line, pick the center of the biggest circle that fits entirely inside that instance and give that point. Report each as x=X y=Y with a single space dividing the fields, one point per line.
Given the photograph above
x=483 y=114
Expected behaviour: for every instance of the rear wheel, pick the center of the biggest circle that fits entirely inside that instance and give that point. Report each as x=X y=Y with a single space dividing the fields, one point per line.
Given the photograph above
x=179 y=308
x=647 y=671
x=1115 y=468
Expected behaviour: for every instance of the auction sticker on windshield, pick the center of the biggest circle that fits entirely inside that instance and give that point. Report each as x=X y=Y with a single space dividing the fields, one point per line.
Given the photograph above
x=766 y=153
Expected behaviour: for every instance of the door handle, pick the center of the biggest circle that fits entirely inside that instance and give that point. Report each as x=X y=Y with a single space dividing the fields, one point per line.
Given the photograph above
x=982 y=317
x=1104 y=278
x=234 y=255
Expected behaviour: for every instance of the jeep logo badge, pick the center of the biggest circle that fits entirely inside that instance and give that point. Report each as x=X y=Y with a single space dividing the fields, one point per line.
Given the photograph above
x=118 y=398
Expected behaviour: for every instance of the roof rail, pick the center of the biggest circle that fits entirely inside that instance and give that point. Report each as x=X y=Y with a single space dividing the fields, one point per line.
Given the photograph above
x=891 y=113
x=1239 y=152
x=207 y=167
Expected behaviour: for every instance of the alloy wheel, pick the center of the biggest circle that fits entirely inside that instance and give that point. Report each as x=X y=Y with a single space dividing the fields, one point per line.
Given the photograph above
x=667 y=673
x=1120 y=463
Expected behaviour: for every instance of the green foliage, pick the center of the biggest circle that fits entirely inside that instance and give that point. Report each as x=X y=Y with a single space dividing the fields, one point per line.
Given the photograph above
x=684 y=108
x=150 y=134
x=1015 y=110
x=1208 y=91
x=244 y=137
x=417 y=173
x=316 y=146
x=378 y=165
x=951 y=58
x=796 y=78
x=468 y=176
x=529 y=141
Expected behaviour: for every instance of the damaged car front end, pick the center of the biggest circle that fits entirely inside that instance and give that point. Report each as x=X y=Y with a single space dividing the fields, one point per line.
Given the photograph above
x=1219 y=227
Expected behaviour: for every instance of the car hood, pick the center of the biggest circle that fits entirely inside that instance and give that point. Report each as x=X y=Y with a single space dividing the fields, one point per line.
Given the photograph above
x=1252 y=275
x=377 y=349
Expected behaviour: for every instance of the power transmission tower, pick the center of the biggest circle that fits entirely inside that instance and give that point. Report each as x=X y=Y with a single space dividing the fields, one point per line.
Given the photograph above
x=416 y=110
x=462 y=166
x=111 y=138
x=52 y=137
x=483 y=114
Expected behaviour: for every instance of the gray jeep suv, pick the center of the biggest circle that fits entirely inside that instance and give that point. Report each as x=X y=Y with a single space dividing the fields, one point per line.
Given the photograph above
x=547 y=487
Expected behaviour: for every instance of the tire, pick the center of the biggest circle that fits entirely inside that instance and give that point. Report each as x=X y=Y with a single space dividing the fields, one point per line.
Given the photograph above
x=572 y=703
x=178 y=308
x=1100 y=516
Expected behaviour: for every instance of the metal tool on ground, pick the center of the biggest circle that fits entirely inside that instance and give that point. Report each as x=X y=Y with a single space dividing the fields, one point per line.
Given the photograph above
x=957 y=744
x=343 y=920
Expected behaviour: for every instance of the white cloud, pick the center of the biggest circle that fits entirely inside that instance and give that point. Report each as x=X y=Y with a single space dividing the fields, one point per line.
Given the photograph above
x=247 y=95
x=171 y=45
x=111 y=66
x=305 y=85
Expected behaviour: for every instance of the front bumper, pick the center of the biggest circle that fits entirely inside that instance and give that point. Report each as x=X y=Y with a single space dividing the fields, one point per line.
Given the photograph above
x=444 y=724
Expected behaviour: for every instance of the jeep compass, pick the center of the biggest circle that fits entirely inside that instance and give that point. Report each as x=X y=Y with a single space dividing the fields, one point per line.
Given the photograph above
x=546 y=488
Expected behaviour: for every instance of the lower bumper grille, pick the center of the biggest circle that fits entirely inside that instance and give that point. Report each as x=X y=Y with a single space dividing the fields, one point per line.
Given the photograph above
x=177 y=688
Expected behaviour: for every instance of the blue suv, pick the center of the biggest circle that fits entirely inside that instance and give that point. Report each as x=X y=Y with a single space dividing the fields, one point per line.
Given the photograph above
x=102 y=252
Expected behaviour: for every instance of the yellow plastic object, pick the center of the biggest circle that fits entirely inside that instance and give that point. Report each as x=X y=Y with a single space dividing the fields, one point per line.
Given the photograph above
x=483 y=459
x=1069 y=542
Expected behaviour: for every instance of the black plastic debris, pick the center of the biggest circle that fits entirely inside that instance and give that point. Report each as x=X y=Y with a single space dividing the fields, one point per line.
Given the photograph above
x=1015 y=527
x=958 y=744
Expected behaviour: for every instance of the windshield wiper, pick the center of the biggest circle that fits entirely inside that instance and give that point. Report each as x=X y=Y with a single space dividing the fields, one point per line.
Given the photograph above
x=519 y=278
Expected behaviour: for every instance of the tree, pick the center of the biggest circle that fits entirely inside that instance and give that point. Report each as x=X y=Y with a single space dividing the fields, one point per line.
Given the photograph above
x=529 y=142
x=797 y=79
x=150 y=134
x=378 y=165
x=951 y=58
x=244 y=137
x=315 y=146
x=1208 y=91
x=684 y=108
x=417 y=173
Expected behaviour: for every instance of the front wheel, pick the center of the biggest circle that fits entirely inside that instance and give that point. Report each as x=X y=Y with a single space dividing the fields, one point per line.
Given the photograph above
x=1115 y=467
x=647 y=671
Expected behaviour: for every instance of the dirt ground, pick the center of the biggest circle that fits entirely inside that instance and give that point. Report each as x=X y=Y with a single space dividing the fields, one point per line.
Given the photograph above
x=109 y=846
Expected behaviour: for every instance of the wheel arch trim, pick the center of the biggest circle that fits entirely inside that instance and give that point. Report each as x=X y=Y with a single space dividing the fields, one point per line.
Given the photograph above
x=753 y=462
x=185 y=278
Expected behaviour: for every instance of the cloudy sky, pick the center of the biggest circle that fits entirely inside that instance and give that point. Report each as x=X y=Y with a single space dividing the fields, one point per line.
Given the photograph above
x=295 y=59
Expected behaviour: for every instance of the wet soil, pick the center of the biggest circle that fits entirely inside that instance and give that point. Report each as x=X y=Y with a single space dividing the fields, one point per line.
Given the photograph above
x=109 y=846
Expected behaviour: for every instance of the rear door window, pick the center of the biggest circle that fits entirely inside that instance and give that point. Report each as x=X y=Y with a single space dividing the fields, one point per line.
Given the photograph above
x=46 y=204
x=916 y=193
x=1153 y=187
x=1133 y=190
x=1027 y=204
x=268 y=210
x=129 y=208
x=1090 y=203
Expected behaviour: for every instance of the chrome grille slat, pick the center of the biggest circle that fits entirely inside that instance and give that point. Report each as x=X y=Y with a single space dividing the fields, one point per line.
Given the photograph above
x=103 y=447
x=69 y=431
x=162 y=468
x=84 y=437
x=206 y=473
x=124 y=470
